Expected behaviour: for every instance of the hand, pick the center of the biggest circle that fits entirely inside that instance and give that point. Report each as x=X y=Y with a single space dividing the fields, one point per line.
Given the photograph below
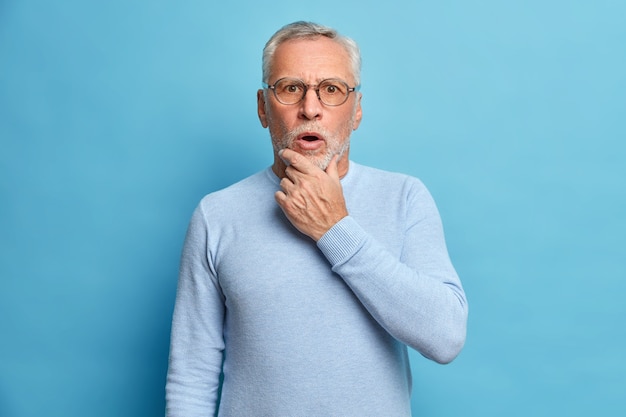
x=311 y=199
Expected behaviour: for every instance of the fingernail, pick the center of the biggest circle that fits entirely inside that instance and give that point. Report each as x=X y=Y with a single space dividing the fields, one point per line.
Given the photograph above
x=280 y=155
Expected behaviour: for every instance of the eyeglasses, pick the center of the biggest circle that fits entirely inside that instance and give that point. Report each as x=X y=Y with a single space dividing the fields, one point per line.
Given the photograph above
x=331 y=92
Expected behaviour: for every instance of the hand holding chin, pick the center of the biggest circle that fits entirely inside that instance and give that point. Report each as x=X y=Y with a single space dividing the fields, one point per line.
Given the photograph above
x=312 y=199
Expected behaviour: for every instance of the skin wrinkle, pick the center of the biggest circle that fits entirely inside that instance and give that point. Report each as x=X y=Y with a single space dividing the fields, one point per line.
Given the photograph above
x=311 y=60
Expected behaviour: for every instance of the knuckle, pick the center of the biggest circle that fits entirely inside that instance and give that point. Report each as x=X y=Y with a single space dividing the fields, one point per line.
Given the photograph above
x=295 y=158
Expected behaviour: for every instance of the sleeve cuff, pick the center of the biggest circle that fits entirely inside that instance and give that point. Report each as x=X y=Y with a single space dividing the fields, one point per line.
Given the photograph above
x=342 y=241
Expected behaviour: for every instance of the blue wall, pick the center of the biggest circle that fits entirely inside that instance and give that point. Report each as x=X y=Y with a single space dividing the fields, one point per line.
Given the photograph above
x=116 y=117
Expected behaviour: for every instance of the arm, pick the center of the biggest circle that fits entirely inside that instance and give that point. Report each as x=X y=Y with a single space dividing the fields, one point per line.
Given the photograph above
x=197 y=340
x=418 y=297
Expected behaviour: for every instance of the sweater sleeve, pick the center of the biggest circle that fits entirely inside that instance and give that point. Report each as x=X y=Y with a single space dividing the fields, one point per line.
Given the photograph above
x=197 y=341
x=417 y=297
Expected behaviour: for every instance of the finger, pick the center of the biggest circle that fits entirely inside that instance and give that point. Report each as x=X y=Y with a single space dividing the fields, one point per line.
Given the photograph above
x=297 y=161
x=280 y=198
x=286 y=184
x=288 y=203
x=293 y=176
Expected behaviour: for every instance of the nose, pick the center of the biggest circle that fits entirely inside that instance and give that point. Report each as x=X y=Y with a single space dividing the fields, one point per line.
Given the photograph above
x=311 y=106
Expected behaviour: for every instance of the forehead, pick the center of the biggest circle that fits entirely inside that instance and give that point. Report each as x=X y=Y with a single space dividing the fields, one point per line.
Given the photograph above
x=312 y=60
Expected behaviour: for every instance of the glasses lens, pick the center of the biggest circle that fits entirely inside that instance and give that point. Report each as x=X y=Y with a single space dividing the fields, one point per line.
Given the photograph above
x=289 y=90
x=333 y=92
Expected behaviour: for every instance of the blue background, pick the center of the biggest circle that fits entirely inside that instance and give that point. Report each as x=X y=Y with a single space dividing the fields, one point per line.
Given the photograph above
x=116 y=117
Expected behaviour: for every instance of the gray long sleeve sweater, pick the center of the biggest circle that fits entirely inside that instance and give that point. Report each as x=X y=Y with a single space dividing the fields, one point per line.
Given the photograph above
x=306 y=329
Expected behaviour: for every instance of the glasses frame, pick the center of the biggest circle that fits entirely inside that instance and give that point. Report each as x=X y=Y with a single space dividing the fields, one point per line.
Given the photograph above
x=314 y=87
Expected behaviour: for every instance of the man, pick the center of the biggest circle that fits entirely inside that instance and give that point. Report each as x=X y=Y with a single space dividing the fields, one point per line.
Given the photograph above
x=302 y=285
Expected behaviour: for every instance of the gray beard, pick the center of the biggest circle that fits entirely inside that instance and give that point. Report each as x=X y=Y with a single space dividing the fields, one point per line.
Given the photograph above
x=333 y=144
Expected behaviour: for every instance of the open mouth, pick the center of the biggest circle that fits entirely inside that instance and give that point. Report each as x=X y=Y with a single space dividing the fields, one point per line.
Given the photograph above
x=310 y=141
x=309 y=136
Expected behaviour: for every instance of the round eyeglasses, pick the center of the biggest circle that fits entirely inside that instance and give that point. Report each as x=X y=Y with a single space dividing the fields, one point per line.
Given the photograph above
x=331 y=92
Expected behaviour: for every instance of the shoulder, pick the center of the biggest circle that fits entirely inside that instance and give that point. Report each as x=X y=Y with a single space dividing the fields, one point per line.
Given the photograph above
x=249 y=192
x=246 y=188
x=377 y=179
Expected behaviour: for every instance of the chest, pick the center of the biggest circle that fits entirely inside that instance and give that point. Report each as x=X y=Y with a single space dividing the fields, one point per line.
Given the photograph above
x=263 y=262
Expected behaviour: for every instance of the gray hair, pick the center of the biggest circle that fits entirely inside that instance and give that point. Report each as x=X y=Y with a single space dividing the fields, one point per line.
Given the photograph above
x=309 y=30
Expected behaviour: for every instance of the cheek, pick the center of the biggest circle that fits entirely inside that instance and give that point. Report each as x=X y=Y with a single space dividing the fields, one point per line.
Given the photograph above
x=277 y=119
x=348 y=121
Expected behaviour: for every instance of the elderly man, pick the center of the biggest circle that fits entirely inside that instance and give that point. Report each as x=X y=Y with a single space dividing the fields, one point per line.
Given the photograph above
x=301 y=286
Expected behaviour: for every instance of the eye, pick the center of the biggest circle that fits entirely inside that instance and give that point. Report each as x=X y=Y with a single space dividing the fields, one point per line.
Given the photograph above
x=333 y=88
x=291 y=87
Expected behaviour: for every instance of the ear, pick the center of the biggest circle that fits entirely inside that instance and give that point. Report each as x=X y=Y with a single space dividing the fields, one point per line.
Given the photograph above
x=260 y=99
x=358 y=115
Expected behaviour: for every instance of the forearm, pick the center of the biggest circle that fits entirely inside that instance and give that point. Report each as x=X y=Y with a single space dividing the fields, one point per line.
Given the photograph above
x=191 y=390
x=194 y=365
x=423 y=305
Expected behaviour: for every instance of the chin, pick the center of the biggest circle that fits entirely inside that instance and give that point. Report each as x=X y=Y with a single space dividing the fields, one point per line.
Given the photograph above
x=322 y=161
x=320 y=158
